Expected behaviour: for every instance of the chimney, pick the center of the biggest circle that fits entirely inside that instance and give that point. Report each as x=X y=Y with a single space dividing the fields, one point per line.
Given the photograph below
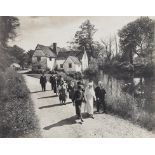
x=55 y=47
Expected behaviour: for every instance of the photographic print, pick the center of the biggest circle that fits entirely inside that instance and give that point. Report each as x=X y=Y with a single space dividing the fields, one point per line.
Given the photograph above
x=77 y=77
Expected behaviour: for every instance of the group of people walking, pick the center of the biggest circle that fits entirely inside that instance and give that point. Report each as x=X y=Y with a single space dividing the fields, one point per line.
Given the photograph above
x=78 y=93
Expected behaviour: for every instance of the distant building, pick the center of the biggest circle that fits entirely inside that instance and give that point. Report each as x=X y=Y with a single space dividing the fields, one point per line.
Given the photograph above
x=51 y=57
x=44 y=57
x=15 y=66
x=72 y=61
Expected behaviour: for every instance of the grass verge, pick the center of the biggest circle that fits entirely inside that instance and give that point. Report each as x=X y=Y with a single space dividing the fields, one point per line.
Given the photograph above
x=16 y=109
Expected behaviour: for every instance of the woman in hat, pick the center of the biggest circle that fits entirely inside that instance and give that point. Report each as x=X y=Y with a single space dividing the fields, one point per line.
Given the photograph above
x=89 y=98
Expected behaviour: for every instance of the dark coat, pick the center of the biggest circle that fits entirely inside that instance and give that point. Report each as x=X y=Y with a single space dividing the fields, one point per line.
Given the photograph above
x=100 y=93
x=52 y=80
x=71 y=91
x=78 y=96
x=43 y=80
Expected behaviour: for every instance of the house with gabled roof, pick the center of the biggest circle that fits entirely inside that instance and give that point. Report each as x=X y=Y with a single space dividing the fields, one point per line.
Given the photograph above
x=44 y=57
x=72 y=61
x=51 y=57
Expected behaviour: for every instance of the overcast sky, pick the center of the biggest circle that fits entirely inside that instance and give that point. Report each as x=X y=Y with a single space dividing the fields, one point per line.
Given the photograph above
x=46 y=30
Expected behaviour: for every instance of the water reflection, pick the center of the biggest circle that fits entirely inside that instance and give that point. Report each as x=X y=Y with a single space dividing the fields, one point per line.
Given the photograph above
x=140 y=89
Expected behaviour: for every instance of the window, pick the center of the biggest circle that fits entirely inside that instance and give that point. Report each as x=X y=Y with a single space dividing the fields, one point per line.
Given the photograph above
x=70 y=65
x=38 y=58
x=61 y=65
x=50 y=58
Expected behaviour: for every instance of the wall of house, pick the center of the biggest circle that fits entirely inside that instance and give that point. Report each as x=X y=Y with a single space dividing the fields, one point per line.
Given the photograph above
x=50 y=63
x=58 y=62
x=84 y=61
x=38 y=65
x=75 y=67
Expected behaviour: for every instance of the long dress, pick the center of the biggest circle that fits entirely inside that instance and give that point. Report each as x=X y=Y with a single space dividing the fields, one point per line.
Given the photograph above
x=89 y=97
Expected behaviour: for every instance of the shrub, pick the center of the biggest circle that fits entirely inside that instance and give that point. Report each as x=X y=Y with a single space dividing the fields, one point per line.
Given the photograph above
x=127 y=107
x=16 y=109
x=75 y=75
x=92 y=69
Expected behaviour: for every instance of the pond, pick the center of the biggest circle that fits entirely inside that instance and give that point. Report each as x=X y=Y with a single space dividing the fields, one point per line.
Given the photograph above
x=130 y=97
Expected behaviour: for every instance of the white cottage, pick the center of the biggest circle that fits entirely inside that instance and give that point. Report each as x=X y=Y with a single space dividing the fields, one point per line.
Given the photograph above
x=72 y=61
x=44 y=57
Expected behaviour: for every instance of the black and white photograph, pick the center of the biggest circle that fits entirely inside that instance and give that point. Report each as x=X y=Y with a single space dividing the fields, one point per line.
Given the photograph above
x=77 y=77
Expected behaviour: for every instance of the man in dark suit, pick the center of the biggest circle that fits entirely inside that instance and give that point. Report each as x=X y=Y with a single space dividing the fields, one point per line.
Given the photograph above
x=100 y=97
x=43 y=82
x=52 y=82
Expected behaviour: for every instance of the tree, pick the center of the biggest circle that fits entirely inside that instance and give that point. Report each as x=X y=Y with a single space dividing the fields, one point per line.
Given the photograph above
x=8 y=26
x=18 y=53
x=29 y=55
x=108 y=49
x=137 y=38
x=84 y=38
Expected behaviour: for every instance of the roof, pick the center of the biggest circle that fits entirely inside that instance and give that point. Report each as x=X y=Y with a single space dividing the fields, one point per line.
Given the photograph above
x=66 y=54
x=42 y=50
x=75 y=59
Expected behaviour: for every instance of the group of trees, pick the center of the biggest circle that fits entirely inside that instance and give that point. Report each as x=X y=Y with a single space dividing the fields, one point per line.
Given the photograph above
x=8 y=26
x=134 y=39
x=8 y=54
x=137 y=38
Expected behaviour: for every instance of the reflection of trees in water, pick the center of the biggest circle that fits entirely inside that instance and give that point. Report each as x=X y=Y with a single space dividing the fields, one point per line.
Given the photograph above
x=141 y=89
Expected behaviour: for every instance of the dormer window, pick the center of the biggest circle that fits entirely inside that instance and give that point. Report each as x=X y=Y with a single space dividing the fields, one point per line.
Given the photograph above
x=38 y=58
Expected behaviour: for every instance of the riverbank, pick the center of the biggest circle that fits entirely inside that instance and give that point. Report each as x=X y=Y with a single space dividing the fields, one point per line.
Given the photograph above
x=58 y=120
x=124 y=98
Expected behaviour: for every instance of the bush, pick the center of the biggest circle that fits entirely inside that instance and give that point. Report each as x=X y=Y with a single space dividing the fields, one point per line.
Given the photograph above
x=65 y=76
x=93 y=68
x=16 y=109
x=75 y=75
x=127 y=107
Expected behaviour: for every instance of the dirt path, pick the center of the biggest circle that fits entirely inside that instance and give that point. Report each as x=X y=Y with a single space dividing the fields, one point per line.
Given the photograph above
x=58 y=120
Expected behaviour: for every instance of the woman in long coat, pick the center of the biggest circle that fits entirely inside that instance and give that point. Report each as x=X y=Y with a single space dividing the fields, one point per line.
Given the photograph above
x=89 y=98
x=71 y=90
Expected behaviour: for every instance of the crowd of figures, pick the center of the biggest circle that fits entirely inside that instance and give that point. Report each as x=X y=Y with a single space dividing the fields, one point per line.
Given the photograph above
x=78 y=93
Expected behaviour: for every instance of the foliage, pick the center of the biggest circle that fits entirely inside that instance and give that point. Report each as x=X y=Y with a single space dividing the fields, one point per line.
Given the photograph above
x=92 y=69
x=127 y=107
x=29 y=55
x=84 y=38
x=18 y=53
x=8 y=26
x=16 y=109
x=137 y=38
x=75 y=75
